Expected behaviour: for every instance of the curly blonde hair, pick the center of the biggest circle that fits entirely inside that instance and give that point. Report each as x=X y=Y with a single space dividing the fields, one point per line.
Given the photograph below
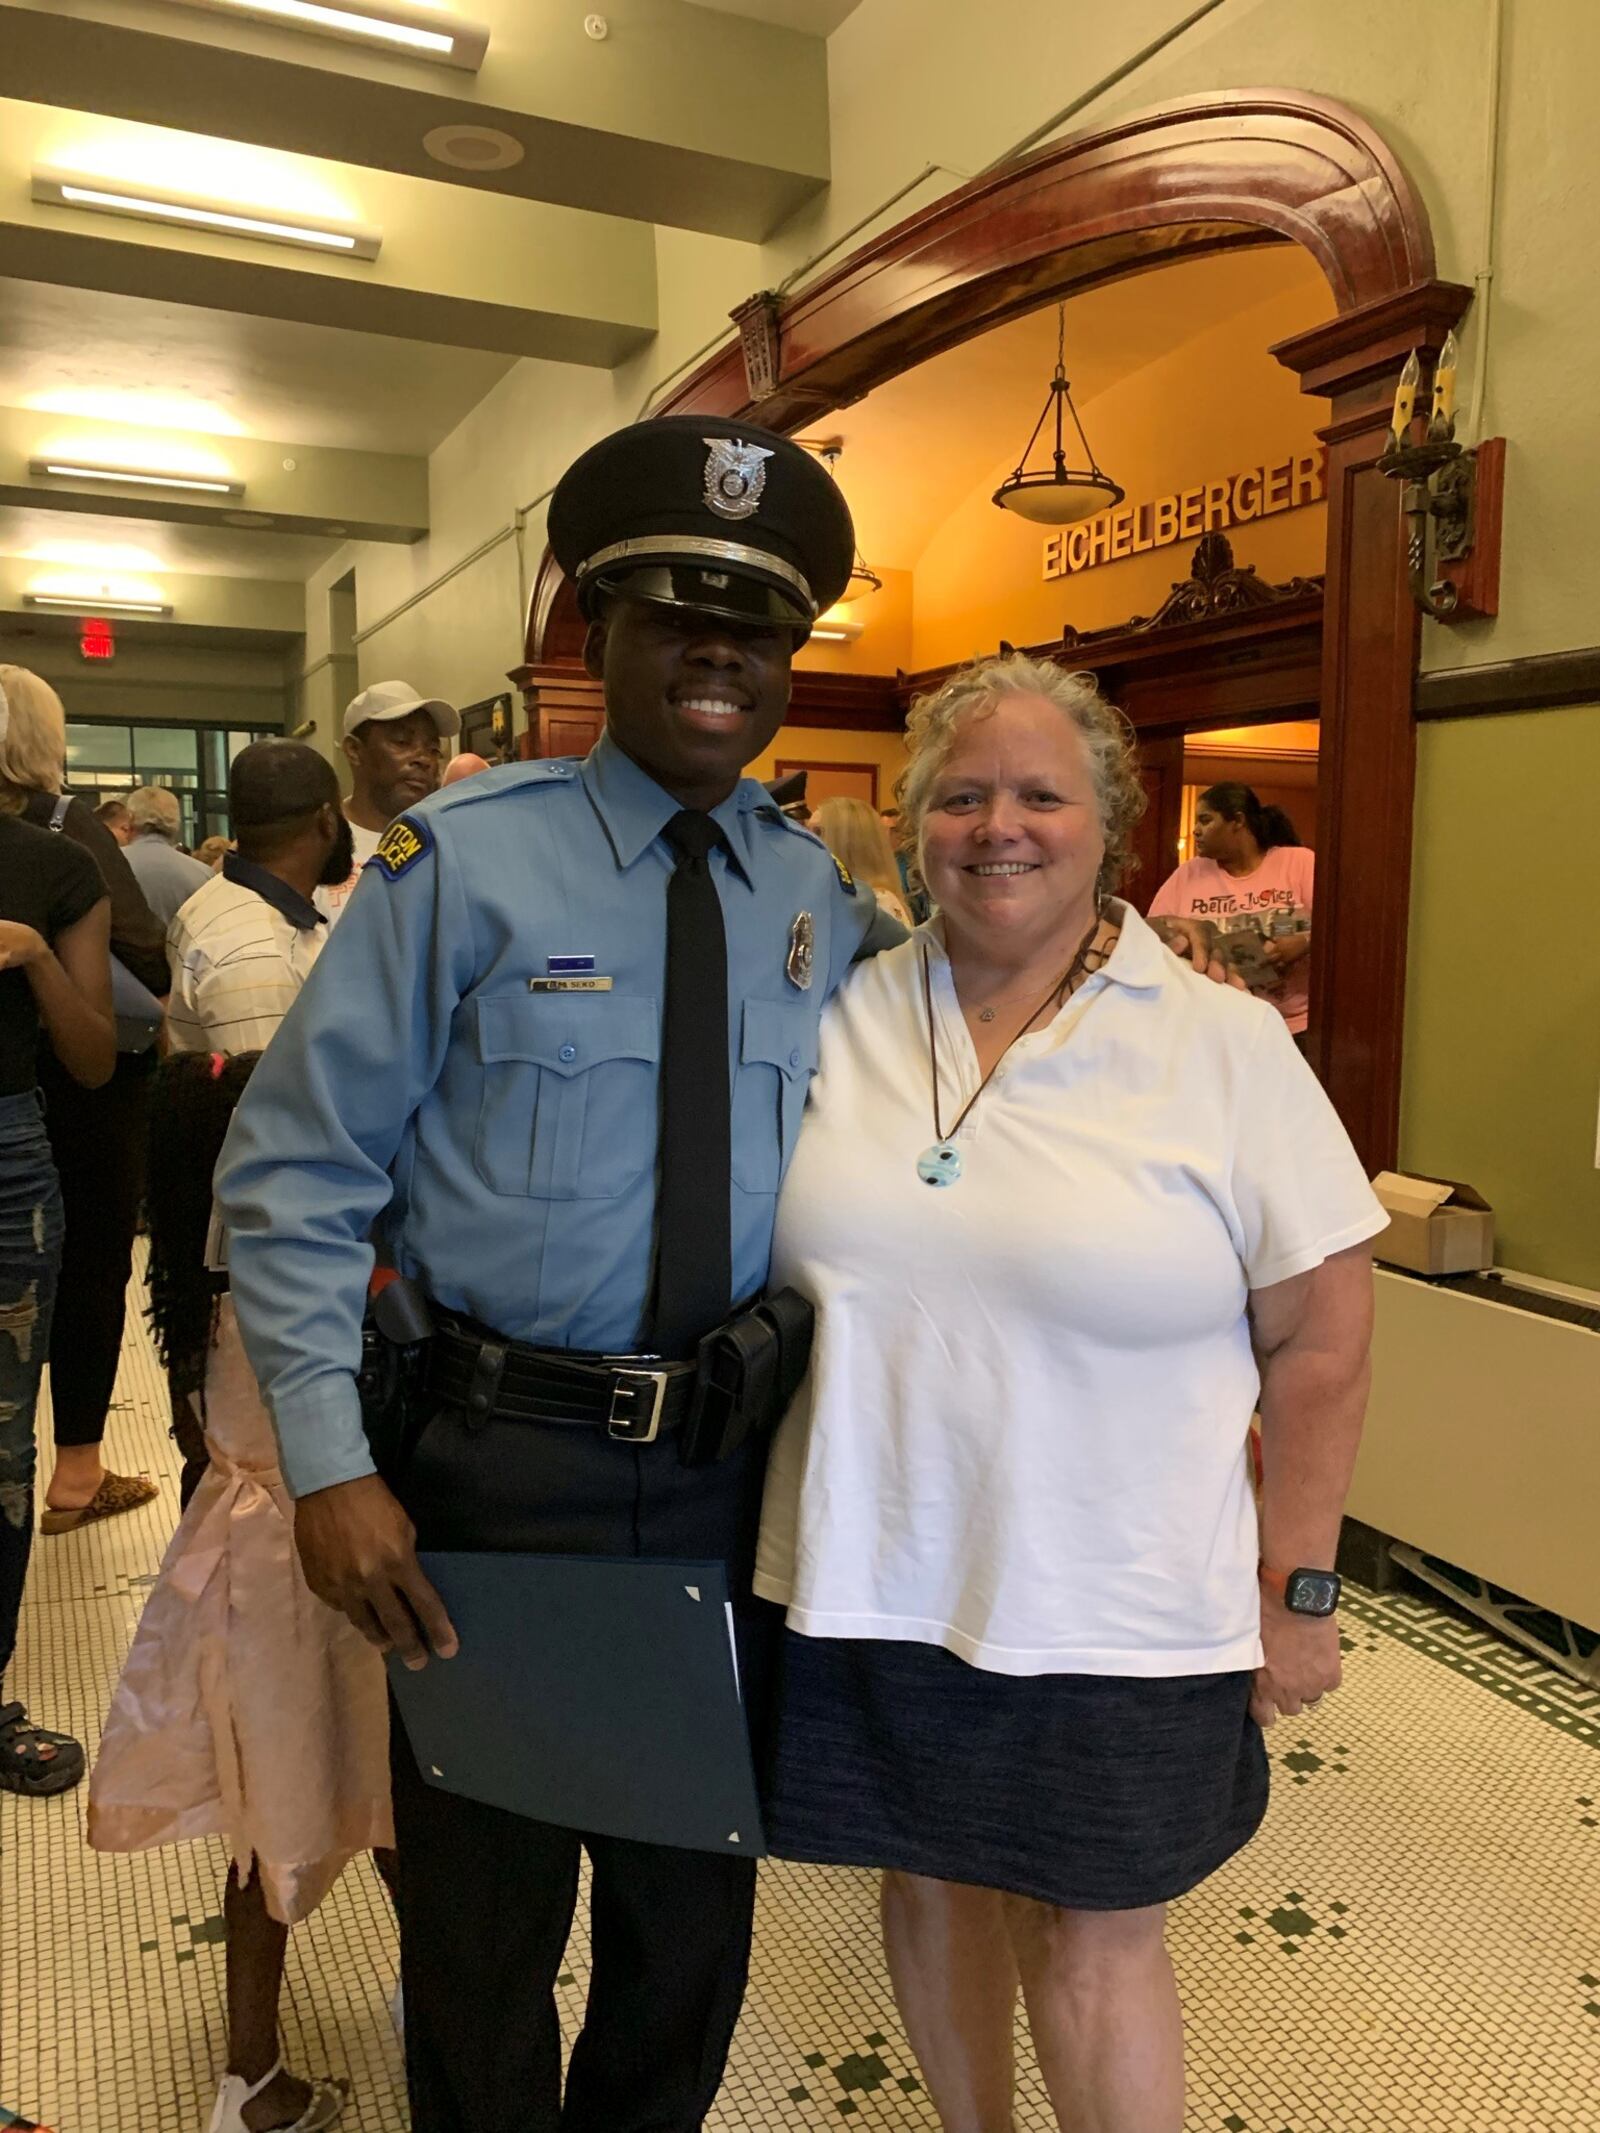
x=1107 y=737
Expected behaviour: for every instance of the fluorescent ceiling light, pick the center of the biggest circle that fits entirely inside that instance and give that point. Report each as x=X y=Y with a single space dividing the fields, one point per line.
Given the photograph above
x=113 y=196
x=413 y=32
x=836 y=632
x=136 y=478
x=90 y=604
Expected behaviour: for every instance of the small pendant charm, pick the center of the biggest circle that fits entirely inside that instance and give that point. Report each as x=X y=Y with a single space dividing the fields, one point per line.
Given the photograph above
x=985 y=1014
x=940 y=1164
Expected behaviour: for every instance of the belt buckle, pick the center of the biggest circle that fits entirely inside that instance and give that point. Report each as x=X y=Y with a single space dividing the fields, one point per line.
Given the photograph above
x=631 y=1427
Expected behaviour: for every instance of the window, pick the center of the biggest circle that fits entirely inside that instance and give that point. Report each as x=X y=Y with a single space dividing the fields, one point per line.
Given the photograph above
x=104 y=757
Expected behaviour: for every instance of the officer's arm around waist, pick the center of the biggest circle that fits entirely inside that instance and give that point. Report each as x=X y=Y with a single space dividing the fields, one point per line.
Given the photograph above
x=305 y=1169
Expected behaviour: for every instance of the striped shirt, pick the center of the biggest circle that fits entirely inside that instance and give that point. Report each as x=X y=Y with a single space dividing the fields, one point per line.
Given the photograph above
x=238 y=962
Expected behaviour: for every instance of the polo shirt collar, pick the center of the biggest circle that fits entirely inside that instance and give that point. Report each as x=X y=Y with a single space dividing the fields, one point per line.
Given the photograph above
x=245 y=874
x=1140 y=961
x=634 y=809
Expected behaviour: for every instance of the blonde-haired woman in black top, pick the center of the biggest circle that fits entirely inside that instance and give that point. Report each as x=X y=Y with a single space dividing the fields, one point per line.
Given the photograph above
x=55 y=978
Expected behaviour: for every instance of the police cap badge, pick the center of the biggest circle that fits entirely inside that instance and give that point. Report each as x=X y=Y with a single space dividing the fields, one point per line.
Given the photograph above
x=691 y=511
x=736 y=476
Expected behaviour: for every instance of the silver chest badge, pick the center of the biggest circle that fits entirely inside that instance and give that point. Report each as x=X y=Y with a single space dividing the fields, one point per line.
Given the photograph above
x=736 y=475
x=802 y=950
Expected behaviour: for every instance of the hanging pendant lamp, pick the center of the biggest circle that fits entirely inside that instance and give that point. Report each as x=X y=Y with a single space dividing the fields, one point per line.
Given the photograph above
x=1058 y=495
x=862 y=580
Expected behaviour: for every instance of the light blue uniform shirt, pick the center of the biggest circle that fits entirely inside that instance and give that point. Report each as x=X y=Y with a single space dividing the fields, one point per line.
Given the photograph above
x=499 y=1141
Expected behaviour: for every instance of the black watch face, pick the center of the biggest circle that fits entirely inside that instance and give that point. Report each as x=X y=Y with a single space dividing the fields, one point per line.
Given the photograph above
x=1312 y=1592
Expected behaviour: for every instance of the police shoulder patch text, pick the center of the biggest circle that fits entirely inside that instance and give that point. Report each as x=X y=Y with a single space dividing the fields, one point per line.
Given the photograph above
x=847 y=880
x=402 y=844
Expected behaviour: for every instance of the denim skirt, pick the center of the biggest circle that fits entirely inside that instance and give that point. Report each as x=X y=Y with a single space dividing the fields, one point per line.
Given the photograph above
x=1094 y=1792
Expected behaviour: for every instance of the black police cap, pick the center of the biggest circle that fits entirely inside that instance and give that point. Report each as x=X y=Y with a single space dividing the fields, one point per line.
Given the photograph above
x=692 y=511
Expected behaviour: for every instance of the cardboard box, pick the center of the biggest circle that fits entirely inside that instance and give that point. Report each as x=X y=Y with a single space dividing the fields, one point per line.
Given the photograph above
x=1436 y=1225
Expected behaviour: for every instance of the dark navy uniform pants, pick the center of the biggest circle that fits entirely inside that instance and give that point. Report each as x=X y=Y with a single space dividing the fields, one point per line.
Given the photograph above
x=486 y=1898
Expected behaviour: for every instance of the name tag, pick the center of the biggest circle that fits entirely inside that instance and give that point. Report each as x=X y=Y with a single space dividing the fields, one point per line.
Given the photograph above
x=569 y=984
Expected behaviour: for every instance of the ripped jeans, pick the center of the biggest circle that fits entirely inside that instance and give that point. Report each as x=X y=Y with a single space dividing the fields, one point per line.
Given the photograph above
x=30 y=1258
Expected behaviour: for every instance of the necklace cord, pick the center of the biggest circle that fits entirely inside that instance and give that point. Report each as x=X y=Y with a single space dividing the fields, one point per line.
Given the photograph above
x=1074 y=970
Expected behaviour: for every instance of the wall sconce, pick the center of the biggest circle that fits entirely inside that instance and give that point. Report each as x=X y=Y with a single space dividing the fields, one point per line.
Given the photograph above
x=1451 y=498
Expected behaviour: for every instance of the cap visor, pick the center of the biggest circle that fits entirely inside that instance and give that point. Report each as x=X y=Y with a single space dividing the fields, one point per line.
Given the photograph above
x=732 y=595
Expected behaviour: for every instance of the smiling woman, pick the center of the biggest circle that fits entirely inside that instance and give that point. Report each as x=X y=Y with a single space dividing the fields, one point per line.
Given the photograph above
x=1010 y=1513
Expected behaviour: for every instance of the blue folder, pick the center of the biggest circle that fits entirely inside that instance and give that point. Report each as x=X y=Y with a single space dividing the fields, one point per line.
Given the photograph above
x=601 y=1695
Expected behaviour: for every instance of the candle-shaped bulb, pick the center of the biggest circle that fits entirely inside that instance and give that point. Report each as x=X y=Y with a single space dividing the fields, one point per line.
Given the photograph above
x=1405 y=397
x=1444 y=382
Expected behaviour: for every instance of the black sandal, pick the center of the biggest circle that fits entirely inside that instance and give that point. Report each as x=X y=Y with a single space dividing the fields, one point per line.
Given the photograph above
x=23 y=1768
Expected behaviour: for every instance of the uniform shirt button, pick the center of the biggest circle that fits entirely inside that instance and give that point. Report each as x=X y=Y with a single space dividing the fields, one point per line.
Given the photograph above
x=794 y=1057
x=568 y=1053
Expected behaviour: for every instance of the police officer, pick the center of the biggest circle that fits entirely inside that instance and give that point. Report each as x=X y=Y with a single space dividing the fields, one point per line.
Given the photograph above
x=554 y=1062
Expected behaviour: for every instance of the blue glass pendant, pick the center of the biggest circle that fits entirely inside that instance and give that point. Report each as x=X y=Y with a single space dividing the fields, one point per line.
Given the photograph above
x=940 y=1164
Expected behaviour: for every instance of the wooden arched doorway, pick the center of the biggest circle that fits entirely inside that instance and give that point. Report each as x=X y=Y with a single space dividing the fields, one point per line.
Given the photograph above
x=1207 y=174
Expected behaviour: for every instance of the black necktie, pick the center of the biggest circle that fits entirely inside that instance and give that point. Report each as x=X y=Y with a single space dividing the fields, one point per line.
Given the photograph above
x=694 y=1253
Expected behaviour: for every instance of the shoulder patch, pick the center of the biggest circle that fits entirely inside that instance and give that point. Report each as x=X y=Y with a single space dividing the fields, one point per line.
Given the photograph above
x=402 y=844
x=847 y=880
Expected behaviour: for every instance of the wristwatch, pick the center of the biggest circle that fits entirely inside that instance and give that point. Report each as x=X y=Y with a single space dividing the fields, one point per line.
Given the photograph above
x=1304 y=1592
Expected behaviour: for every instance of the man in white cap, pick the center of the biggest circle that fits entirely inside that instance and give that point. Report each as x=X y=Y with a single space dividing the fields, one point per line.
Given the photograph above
x=392 y=740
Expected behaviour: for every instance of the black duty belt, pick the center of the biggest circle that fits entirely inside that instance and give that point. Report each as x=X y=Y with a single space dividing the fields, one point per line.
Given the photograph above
x=634 y=1398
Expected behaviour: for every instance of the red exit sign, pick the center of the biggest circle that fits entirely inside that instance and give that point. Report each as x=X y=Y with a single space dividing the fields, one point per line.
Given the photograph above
x=95 y=640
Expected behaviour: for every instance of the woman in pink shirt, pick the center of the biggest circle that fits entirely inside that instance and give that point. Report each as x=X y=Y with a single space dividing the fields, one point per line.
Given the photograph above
x=1251 y=876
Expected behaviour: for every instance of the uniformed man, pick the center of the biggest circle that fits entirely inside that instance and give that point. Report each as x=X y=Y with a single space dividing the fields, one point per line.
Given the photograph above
x=554 y=1063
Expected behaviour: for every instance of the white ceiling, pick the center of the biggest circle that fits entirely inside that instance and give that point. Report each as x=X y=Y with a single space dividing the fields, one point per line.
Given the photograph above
x=820 y=18
x=237 y=375
x=132 y=546
x=917 y=447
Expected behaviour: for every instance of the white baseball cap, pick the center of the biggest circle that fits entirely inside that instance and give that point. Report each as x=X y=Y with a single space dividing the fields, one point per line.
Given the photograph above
x=397 y=699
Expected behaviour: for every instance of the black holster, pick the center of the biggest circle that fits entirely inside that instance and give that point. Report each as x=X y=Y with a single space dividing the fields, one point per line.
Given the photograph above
x=393 y=1378
x=749 y=1369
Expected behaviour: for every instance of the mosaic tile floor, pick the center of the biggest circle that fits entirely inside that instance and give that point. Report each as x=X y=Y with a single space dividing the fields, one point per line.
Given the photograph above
x=1412 y=1945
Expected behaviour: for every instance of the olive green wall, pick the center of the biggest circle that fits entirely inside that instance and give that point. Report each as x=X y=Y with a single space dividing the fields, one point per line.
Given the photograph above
x=1502 y=1073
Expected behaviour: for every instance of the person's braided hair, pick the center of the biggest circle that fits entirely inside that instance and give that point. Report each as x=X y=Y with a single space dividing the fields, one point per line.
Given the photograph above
x=195 y=1095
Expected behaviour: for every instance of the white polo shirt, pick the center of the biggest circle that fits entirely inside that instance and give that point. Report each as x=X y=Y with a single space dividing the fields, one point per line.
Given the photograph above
x=1023 y=1434
x=331 y=901
x=240 y=949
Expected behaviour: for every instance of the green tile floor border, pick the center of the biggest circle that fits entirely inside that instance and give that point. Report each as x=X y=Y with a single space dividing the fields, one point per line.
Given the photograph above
x=1477 y=1655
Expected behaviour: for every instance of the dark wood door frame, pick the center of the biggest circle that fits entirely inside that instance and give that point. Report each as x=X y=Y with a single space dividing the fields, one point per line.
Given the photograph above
x=1204 y=174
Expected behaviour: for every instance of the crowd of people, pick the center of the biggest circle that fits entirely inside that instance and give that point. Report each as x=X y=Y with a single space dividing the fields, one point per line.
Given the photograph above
x=609 y=1067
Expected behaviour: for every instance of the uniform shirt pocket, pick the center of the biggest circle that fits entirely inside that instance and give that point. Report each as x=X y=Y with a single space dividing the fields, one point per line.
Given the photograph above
x=777 y=1058
x=568 y=1109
